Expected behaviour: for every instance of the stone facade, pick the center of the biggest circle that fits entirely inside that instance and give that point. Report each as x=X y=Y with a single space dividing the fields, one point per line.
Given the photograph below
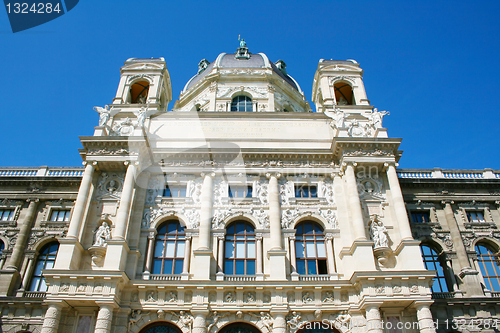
x=202 y=219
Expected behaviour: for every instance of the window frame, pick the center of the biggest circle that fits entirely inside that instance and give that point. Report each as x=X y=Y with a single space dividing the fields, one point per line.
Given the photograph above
x=11 y=216
x=177 y=260
x=36 y=274
x=495 y=266
x=320 y=262
x=246 y=189
x=415 y=213
x=299 y=191
x=241 y=103
x=436 y=258
x=179 y=189
x=244 y=240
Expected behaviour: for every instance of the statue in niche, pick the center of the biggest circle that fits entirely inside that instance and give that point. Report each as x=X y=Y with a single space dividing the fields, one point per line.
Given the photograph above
x=250 y=297
x=102 y=234
x=104 y=114
x=328 y=297
x=151 y=297
x=379 y=233
x=306 y=298
x=141 y=99
x=112 y=186
x=172 y=297
x=342 y=101
x=376 y=117
x=229 y=297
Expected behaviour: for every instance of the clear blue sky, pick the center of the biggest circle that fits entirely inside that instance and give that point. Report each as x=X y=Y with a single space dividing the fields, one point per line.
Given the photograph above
x=433 y=64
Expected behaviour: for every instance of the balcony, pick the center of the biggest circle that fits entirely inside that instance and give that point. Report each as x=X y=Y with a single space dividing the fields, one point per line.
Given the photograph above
x=35 y=294
x=239 y=278
x=165 y=277
x=314 y=277
x=443 y=295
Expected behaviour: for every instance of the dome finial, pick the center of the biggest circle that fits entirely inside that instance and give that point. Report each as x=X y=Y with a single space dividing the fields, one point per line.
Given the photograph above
x=242 y=51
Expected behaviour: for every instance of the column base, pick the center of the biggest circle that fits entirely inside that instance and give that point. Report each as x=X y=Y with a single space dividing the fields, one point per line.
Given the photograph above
x=277 y=263
x=259 y=277
x=219 y=276
x=69 y=255
x=116 y=255
x=184 y=276
x=295 y=276
x=201 y=267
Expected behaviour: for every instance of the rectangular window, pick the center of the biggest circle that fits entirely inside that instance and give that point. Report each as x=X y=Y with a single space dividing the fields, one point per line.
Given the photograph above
x=240 y=191
x=420 y=217
x=306 y=191
x=475 y=216
x=6 y=214
x=59 y=215
x=175 y=191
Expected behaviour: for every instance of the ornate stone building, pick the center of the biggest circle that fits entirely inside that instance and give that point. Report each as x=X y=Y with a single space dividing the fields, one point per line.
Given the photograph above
x=241 y=210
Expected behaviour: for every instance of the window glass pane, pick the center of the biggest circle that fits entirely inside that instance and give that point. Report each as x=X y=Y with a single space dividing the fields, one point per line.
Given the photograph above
x=299 y=249
x=172 y=228
x=49 y=264
x=167 y=266
x=251 y=250
x=228 y=267
x=239 y=267
x=182 y=192
x=229 y=250
x=53 y=216
x=157 y=266
x=240 y=228
x=35 y=282
x=178 y=266
x=301 y=267
x=314 y=191
x=42 y=286
x=159 y=249
x=250 y=267
x=308 y=228
x=321 y=250
x=60 y=216
x=322 y=268
x=311 y=267
x=170 y=252
x=167 y=192
x=180 y=250
x=240 y=250
x=249 y=192
x=495 y=286
x=39 y=267
x=305 y=192
x=310 y=251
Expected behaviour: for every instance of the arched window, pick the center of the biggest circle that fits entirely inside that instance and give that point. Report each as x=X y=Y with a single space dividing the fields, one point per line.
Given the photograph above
x=161 y=328
x=2 y=246
x=343 y=94
x=239 y=251
x=433 y=262
x=242 y=103
x=169 y=248
x=45 y=260
x=139 y=92
x=310 y=249
x=240 y=328
x=488 y=264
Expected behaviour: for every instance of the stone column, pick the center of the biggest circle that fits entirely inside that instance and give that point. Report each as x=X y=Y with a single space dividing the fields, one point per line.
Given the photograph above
x=206 y=212
x=424 y=316
x=23 y=235
x=468 y=273
x=52 y=317
x=354 y=202
x=329 y=253
x=274 y=212
x=187 y=256
x=279 y=322
x=81 y=201
x=122 y=216
x=199 y=321
x=220 y=253
x=28 y=272
x=293 y=256
x=373 y=319
x=399 y=203
x=104 y=317
x=258 y=253
x=151 y=250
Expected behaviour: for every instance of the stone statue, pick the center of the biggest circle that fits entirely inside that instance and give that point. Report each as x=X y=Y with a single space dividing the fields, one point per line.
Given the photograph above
x=172 y=297
x=293 y=321
x=340 y=118
x=135 y=317
x=328 y=297
x=265 y=319
x=229 y=297
x=379 y=233
x=102 y=234
x=151 y=297
x=103 y=114
x=141 y=116
x=250 y=297
x=242 y=43
x=343 y=319
x=141 y=99
x=306 y=298
x=185 y=320
x=376 y=117
x=215 y=320
x=342 y=101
